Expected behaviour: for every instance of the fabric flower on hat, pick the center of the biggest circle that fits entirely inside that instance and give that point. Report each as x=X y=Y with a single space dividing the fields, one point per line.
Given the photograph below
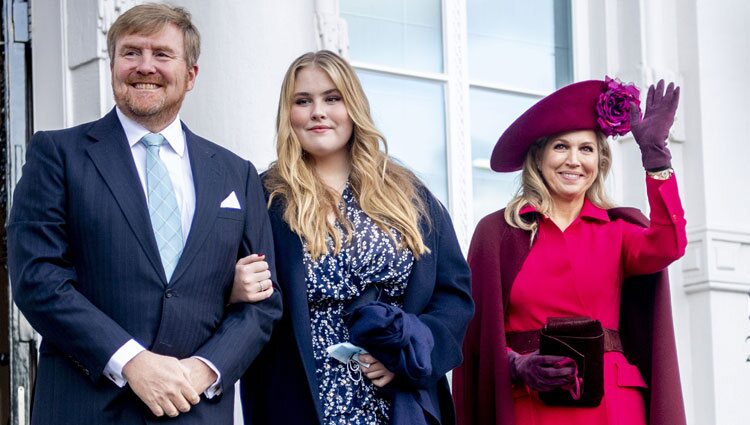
x=613 y=107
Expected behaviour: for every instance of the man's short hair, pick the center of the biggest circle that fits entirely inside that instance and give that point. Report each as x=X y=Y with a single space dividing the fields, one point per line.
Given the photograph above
x=150 y=18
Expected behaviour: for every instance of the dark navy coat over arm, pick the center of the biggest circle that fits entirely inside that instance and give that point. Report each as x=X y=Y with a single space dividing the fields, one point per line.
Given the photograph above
x=441 y=295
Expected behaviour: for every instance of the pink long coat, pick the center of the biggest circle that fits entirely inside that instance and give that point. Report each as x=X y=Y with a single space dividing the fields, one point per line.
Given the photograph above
x=579 y=272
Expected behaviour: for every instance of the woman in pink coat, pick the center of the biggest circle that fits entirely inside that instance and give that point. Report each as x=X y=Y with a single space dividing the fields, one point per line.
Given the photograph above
x=560 y=250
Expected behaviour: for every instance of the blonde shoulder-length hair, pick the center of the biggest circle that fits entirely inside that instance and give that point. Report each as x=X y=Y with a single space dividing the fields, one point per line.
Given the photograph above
x=534 y=190
x=387 y=192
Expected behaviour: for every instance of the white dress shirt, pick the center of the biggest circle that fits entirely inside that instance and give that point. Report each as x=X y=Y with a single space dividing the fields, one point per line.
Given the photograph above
x=175 y=156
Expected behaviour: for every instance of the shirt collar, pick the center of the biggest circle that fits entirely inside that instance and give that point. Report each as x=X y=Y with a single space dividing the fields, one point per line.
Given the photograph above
x=589 y=210
x=135 y=132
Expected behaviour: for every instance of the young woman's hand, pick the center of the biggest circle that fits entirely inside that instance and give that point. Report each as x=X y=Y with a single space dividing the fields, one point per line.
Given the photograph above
x=377 y=373
x=252 y=280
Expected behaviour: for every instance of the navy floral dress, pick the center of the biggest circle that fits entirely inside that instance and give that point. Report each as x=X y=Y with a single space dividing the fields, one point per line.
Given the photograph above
x=346 y=395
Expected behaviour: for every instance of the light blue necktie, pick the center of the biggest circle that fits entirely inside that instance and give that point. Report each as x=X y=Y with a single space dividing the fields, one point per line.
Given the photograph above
x=162 y=205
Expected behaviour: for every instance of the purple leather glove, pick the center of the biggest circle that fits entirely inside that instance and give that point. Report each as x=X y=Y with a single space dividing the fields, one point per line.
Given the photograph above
x=541 y=373
x=651 y=132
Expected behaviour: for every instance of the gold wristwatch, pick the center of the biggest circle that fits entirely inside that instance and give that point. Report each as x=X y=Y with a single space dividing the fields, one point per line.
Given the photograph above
x=661 y=175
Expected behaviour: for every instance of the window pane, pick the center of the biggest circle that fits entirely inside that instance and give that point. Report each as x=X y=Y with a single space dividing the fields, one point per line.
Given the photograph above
x=521 y=44
x=411 y=115
x=398 y=33
x=491 y=113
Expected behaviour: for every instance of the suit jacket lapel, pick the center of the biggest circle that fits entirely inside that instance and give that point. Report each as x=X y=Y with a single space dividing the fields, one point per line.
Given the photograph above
x=112 y=157
x=207 y=177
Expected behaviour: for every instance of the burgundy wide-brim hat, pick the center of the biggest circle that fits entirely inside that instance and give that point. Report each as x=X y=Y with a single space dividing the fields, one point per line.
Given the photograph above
x=571 y=108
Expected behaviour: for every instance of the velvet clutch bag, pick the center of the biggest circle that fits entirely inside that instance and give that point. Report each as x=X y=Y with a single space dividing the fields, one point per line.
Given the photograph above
x=581 y=339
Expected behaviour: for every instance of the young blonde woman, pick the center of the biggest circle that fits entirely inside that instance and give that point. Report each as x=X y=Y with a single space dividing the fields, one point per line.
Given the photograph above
x=366 y=256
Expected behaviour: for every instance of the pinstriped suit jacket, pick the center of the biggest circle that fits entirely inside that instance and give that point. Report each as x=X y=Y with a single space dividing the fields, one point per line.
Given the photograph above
x=86 y=272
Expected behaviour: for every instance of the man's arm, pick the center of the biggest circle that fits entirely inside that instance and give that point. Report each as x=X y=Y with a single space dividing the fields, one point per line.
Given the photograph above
x=44 y=284
x=247 y=327
x=42 y=273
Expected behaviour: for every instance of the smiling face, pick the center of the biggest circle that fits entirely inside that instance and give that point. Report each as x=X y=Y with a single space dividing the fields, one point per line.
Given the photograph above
x=569 y=164
x=150 y=76
x=319 y=117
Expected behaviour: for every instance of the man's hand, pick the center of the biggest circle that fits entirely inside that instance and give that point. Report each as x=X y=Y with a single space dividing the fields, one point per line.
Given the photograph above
x=161 y=382
x=200 y=375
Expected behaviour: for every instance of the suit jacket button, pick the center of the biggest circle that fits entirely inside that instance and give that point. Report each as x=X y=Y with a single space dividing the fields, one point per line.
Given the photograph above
x=169 y=293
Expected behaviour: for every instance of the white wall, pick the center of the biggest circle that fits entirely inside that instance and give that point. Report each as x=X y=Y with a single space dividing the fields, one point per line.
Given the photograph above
x=47 y=54
x=246 y=49
x=713 y=46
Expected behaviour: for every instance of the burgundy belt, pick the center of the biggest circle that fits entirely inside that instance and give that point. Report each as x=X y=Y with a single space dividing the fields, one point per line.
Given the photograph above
x=528 y=341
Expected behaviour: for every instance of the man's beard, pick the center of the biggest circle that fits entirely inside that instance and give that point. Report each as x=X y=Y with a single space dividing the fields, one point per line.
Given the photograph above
x=148 y=111
x=139 y=110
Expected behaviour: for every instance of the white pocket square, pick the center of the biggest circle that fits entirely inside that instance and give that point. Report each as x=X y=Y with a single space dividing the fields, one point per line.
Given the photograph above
x=231 y=202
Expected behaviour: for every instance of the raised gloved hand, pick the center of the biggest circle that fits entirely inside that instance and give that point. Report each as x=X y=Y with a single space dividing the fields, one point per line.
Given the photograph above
x=651 y=132
x=541 y=373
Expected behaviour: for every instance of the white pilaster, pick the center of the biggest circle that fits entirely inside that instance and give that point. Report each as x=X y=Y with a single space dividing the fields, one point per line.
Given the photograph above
x=330 y=28
x=716 y=268
x=457 y=120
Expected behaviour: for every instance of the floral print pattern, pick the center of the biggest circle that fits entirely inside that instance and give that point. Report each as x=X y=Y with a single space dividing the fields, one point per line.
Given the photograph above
x=372 y=257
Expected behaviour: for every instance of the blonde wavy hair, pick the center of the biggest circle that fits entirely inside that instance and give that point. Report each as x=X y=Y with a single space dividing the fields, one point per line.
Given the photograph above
x=534 y=190
x=387 y=192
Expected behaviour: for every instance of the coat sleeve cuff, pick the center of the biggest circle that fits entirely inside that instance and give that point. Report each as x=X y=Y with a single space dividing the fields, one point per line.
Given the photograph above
x=664 y=201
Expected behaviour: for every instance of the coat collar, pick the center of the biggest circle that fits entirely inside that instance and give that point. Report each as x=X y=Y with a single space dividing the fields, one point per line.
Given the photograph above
x=295 y=294
x=589 y=211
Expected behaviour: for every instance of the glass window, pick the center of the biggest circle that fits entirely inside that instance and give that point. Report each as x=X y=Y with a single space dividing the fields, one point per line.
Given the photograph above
x=520 y=44
x=395 y=33
x=491 y=113
x=411 y=115
x=405 y=36
x=517 y=51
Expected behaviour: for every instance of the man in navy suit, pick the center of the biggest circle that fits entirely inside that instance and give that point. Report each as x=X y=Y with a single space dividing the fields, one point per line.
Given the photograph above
x=123 y=239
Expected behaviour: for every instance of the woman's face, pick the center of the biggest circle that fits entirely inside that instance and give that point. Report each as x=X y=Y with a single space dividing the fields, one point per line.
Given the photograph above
x=570 y=164
x=319 y=117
